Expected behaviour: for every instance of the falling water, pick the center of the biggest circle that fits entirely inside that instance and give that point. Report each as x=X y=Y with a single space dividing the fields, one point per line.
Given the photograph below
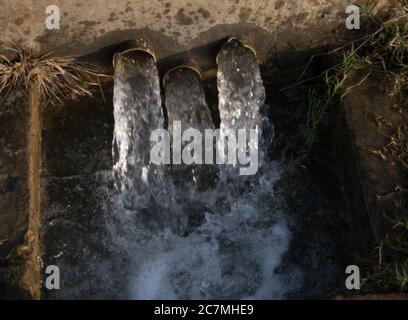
x=241 y=90
x=137 y=111
x=233 y=251
x=186 y=103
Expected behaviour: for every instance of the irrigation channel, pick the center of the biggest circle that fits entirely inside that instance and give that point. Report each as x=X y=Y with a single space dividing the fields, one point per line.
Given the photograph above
x=176 y=230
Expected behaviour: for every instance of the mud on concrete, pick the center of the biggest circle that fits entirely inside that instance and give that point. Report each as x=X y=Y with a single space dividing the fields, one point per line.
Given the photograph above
x=14 y=196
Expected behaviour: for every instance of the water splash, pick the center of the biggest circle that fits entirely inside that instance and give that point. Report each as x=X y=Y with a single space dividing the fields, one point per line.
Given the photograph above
x=229 y=256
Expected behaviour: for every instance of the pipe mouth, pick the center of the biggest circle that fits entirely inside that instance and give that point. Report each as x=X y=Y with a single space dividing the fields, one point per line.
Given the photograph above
x=145 y=50
x=242 y=42
x=142 y=45
x=115 y=57
x=196 y=70
x=248 y=46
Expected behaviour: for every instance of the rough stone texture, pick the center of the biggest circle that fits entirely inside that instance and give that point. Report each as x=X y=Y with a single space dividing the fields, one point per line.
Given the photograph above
x=176 y=26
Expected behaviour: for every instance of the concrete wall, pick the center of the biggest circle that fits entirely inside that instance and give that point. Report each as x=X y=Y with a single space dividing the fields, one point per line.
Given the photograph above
x=175 y=26
x=14 y=196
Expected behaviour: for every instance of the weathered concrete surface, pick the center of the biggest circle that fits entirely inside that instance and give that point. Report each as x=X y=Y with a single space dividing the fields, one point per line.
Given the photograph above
x=75 y=186
x=20 y=165
x=14 y=194
x=374 y=125
x=176 y=26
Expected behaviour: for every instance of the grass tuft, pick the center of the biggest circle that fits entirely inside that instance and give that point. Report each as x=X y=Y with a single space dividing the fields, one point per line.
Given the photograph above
x=384 y=48
x=56 y=77
x=401 y=275
x=388 y=270
x=316 y=109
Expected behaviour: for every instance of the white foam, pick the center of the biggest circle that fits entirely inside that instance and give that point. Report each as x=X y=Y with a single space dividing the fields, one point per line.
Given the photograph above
x=230 y=256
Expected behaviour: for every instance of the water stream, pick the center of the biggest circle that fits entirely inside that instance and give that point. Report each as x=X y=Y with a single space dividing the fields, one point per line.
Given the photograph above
x=186 y=103
x=207 y=233
x=142 y=188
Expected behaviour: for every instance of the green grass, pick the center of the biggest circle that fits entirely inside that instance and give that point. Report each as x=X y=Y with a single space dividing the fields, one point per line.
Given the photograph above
x=316 y=109
x=333 y=86
x=384 y=48
x=401 y=275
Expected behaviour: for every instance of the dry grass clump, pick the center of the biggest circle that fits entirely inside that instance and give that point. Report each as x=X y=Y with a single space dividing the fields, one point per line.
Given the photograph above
x=56 y=77
x=398 y=145
x=387 y=271
x=388 y=47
